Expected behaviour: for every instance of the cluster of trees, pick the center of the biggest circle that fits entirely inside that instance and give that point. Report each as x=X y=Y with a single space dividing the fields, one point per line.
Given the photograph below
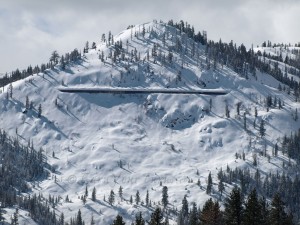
x=19 y=165
x=239 y=210
x=266 y=184
x=54 y=60
x=291 y=61
x=190 y=31
x=241 y=60
x=291 y=146
x=157 y=218
x=22 y=164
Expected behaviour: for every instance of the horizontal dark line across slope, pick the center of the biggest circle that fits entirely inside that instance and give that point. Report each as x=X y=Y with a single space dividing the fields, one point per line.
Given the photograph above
x=142 y=91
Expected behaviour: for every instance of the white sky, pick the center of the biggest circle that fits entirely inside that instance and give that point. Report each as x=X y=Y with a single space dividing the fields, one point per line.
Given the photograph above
x=31 y=29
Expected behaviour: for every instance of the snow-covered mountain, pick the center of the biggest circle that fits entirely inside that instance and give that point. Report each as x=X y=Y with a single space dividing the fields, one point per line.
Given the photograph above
x=145 y=141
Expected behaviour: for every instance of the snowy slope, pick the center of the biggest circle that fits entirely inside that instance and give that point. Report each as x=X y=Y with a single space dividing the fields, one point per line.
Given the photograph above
x=157 y=138
x=283 y=52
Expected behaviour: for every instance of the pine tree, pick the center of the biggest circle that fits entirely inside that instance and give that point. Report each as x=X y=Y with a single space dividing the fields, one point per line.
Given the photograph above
x=40 y=111
x=130 y=200
x=15 y=217
x=277 y=214
x=185 y=207
x=118 y=221
x=111 y=198
x=262 y=130
x=86 y=48
x=221 y=187
x=94 y=45
x=234 y=208
x=92 y=220
x=227 y=112
x=165 y=200
x=94 y=194
x=194 y=218
x=156 y=217
x=139 y=219
x=1 y=215
x=27 y=102
x=264 y=211
x=147 y=198
x=238 y=107
x=10 y=90
x=209 y=184
x=253 y=212
x=54 y=57
x=62 y=219
x=137 y=197
x=211 y=213
x=86 y=191
x=121 y=193
x=143 y=31
x=83 y=198
x=79 y=218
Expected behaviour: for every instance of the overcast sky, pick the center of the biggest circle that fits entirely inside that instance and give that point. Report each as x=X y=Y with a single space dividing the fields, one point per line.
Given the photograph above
x=31 y=29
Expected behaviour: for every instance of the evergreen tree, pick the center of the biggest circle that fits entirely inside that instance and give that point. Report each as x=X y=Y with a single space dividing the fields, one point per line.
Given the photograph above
x=94 y=194
x=40 y=111
x=264 y=211
x=165 y=200
x=211 y=213
x=1 y=215
x=10 y=90
x=121 y=193
x=143 y=31
x=86 y=48
x=137 y=197
x=79 y=218
x=227 y=112
x=86 y=191
x=118 y=221
x=185 y=207
x=262 y=130
x=234 y=208
x=111 y=198
x=139 y=219
x=15 y=217
x=62 y=219
x=194 y=218
x=221 y=187
x=62 y=62
x=27 y=102
x=94 y=45
x=147 y=198
x=277 y=214
x=238 y=108
x=156 y=217
x=209 y=184
x=54 y=57
x=253 y=212
x=92 y=220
